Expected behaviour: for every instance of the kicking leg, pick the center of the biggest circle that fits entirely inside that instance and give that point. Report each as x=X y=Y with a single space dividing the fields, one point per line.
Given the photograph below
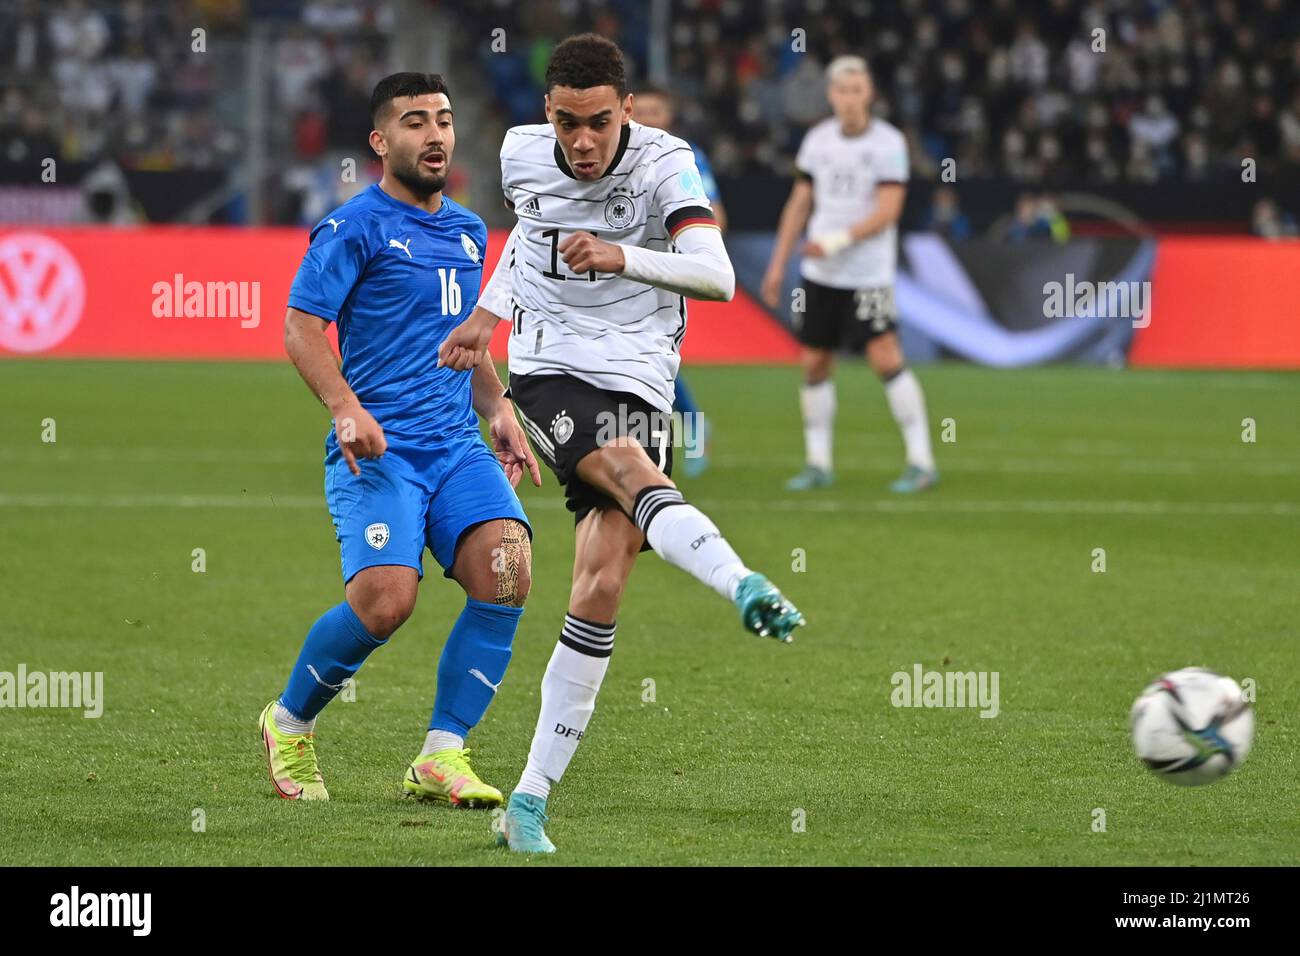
x=684 y=536
x=907 y=403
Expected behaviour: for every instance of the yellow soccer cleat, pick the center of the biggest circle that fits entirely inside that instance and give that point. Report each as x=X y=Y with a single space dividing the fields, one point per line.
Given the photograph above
x=291 y=759
x=447 y=777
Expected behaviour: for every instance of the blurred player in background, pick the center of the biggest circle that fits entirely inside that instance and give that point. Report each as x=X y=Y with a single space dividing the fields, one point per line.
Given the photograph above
x=850 y=183
x=405 y=466
x=654 y=107
x=596 y=328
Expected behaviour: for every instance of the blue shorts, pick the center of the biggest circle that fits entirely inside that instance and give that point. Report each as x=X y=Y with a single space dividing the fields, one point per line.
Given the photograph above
x=412 y=497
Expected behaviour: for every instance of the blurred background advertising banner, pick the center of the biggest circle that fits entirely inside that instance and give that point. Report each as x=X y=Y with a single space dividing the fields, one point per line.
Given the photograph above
x=218 y=292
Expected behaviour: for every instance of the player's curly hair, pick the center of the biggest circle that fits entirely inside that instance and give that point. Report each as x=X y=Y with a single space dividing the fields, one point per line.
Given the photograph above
x=403 y=84
x=587 y=60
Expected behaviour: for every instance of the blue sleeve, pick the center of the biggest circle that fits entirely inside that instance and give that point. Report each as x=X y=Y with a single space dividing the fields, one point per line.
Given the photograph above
x=333 y=264
x=706 y=175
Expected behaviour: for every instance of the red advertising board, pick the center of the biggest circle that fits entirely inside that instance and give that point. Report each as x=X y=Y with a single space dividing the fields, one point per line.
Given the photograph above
x=219 y=293
x=1223 y=303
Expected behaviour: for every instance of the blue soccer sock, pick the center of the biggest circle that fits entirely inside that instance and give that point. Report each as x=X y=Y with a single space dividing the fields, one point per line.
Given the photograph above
x=683 y=400
x=335 y=648
x=473 y=663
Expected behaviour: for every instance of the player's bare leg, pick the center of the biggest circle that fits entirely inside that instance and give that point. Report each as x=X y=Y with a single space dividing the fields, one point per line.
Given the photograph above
x=383 y=597
x=817 y=403
x=493 y=565
x=607 y=545
x=907 y=403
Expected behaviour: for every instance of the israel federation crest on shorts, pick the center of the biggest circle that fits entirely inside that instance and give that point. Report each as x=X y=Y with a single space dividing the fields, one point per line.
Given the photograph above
x=470 y=247
x=377 y=535
x=562 y=427
x=620 y=211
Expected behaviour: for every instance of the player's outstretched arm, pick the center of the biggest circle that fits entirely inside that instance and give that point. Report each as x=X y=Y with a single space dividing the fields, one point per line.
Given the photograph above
x=700 y=268
x=508 y=440
x=794 y=218
x=466 y=346
x=358 y=433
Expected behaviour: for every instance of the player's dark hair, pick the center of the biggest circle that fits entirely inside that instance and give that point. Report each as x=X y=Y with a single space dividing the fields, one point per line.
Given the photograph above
x=658 y=91
x=403 y=84
x=650 y=90
x=587 y=60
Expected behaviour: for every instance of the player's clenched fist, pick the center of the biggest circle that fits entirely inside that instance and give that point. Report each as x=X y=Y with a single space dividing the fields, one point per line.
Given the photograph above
x=466 y=345
x=583 y=252
x=359 y=435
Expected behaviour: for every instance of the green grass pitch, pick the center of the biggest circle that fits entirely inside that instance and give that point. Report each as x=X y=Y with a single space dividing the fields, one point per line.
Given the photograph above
x=991 y=572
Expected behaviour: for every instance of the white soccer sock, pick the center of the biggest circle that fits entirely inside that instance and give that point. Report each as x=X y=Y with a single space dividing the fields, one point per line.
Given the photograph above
x=287 y=723
x=684 y=536
x=908 y=405
x=436 y=740
x=818 y=405
x=569 y=689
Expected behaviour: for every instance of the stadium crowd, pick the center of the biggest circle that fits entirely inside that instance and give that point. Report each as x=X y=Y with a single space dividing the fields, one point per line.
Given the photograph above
x=1046 y=93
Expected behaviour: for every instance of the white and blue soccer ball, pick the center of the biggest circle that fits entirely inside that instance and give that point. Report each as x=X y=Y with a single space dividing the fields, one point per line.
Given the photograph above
x=1192 y=726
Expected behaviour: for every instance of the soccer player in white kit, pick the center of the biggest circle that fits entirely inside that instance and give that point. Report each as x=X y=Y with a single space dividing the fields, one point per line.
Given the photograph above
x=850 y=184
x=614 y=232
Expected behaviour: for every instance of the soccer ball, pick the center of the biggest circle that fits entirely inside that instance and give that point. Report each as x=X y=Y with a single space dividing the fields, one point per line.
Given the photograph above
x=1192 y=726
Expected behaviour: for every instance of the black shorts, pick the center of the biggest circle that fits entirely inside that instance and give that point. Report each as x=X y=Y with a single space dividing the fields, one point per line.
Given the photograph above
x=837 y=318
x=567 y=419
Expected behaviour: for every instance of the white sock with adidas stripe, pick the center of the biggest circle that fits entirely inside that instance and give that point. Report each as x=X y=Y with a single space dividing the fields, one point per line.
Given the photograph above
x=569 y=687
x=684 y=536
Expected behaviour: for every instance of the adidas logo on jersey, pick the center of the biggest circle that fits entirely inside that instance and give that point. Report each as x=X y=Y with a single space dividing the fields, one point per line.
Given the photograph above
x=531 y=208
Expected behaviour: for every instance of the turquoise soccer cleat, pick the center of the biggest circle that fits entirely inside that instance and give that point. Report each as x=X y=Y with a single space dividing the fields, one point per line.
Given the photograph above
x=522 y=827
x=914 y=479
x=811 y=477
x=765 y=610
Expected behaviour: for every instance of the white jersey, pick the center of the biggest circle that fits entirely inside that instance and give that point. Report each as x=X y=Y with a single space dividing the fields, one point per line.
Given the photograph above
x=845 y=171
x=613 y=332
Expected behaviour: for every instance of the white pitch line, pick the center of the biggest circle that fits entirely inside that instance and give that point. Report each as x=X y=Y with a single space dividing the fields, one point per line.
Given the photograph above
x=142 y=454
x=1066 y=458
x=957 y=463
x=934 y=504
x=928 y=504
x=953 y=462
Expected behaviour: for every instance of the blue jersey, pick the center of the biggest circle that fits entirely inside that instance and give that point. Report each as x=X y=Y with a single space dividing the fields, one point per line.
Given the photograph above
x=706 y=173
x=396 y=280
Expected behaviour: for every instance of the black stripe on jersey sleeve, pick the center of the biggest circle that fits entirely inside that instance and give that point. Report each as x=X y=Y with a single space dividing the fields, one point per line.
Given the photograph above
x=679 y=219
x=802 y=175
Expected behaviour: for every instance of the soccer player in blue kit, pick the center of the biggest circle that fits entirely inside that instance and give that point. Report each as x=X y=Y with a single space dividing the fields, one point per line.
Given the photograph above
x=396 y=268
